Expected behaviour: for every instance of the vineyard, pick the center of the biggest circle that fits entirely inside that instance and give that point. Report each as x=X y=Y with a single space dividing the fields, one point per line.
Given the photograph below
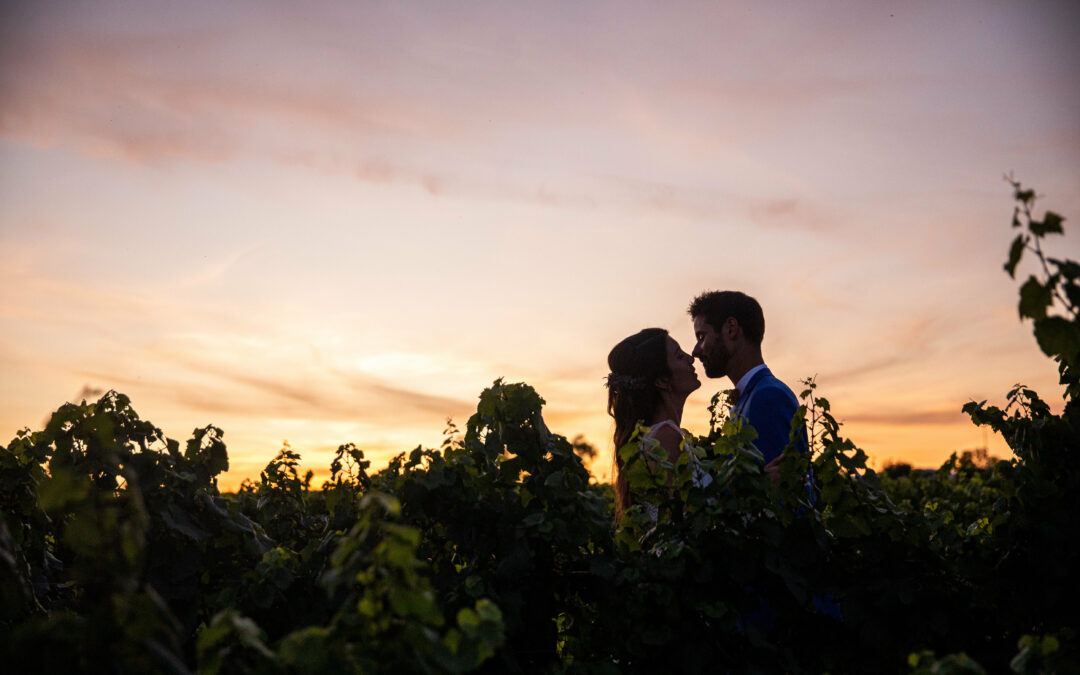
x=495 y=553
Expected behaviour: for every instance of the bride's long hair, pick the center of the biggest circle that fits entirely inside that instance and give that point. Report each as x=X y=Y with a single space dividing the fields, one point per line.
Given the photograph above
x=636 y=363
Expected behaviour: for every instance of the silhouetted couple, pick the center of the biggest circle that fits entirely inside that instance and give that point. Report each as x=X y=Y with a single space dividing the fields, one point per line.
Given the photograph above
x=651 y=377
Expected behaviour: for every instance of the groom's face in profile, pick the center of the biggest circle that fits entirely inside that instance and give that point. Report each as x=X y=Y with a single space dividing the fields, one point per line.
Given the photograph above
x=710 y=349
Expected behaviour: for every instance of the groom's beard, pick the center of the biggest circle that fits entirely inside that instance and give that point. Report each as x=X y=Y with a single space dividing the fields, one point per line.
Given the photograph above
x=716 y=361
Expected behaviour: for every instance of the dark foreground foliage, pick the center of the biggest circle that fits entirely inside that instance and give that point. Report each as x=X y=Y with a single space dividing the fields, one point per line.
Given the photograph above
x=494 y=552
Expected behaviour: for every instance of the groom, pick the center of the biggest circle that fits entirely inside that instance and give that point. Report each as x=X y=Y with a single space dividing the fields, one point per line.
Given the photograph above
x=729 y=326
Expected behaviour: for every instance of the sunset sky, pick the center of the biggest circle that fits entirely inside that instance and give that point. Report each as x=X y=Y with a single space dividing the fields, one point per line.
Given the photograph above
x=332 y=222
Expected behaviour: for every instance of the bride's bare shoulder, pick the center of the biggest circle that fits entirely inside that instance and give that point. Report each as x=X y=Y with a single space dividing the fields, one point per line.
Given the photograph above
x=669 y=436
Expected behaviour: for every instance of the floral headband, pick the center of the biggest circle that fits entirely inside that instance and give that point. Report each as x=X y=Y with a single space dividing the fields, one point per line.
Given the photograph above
x=629 y=382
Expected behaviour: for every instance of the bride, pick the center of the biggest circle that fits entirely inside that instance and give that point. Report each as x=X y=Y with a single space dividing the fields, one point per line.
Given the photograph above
x=650 y=378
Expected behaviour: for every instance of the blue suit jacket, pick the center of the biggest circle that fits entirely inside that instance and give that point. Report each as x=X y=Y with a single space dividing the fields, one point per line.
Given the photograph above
x=769 y=405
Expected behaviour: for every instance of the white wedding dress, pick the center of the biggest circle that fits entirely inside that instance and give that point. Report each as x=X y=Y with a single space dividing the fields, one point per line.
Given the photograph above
x=700 y=477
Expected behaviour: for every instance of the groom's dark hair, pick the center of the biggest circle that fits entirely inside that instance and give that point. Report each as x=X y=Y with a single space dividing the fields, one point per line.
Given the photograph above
x=717 y=306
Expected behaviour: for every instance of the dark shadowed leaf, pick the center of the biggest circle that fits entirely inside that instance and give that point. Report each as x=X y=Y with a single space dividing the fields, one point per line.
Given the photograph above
x=1070 y=269
x=1016 y=251
x=1034 y=299
x=1058 y=337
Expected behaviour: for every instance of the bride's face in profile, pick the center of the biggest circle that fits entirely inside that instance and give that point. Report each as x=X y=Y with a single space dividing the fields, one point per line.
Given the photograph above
x=684 y=378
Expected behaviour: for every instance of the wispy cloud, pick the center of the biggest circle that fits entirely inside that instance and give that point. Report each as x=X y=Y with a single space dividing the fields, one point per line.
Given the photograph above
x=178 y=95
x=304 y=395
x=215 y=271
x=864 y=368
x=948 y=416
x=149 y=97
x=720 y=203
